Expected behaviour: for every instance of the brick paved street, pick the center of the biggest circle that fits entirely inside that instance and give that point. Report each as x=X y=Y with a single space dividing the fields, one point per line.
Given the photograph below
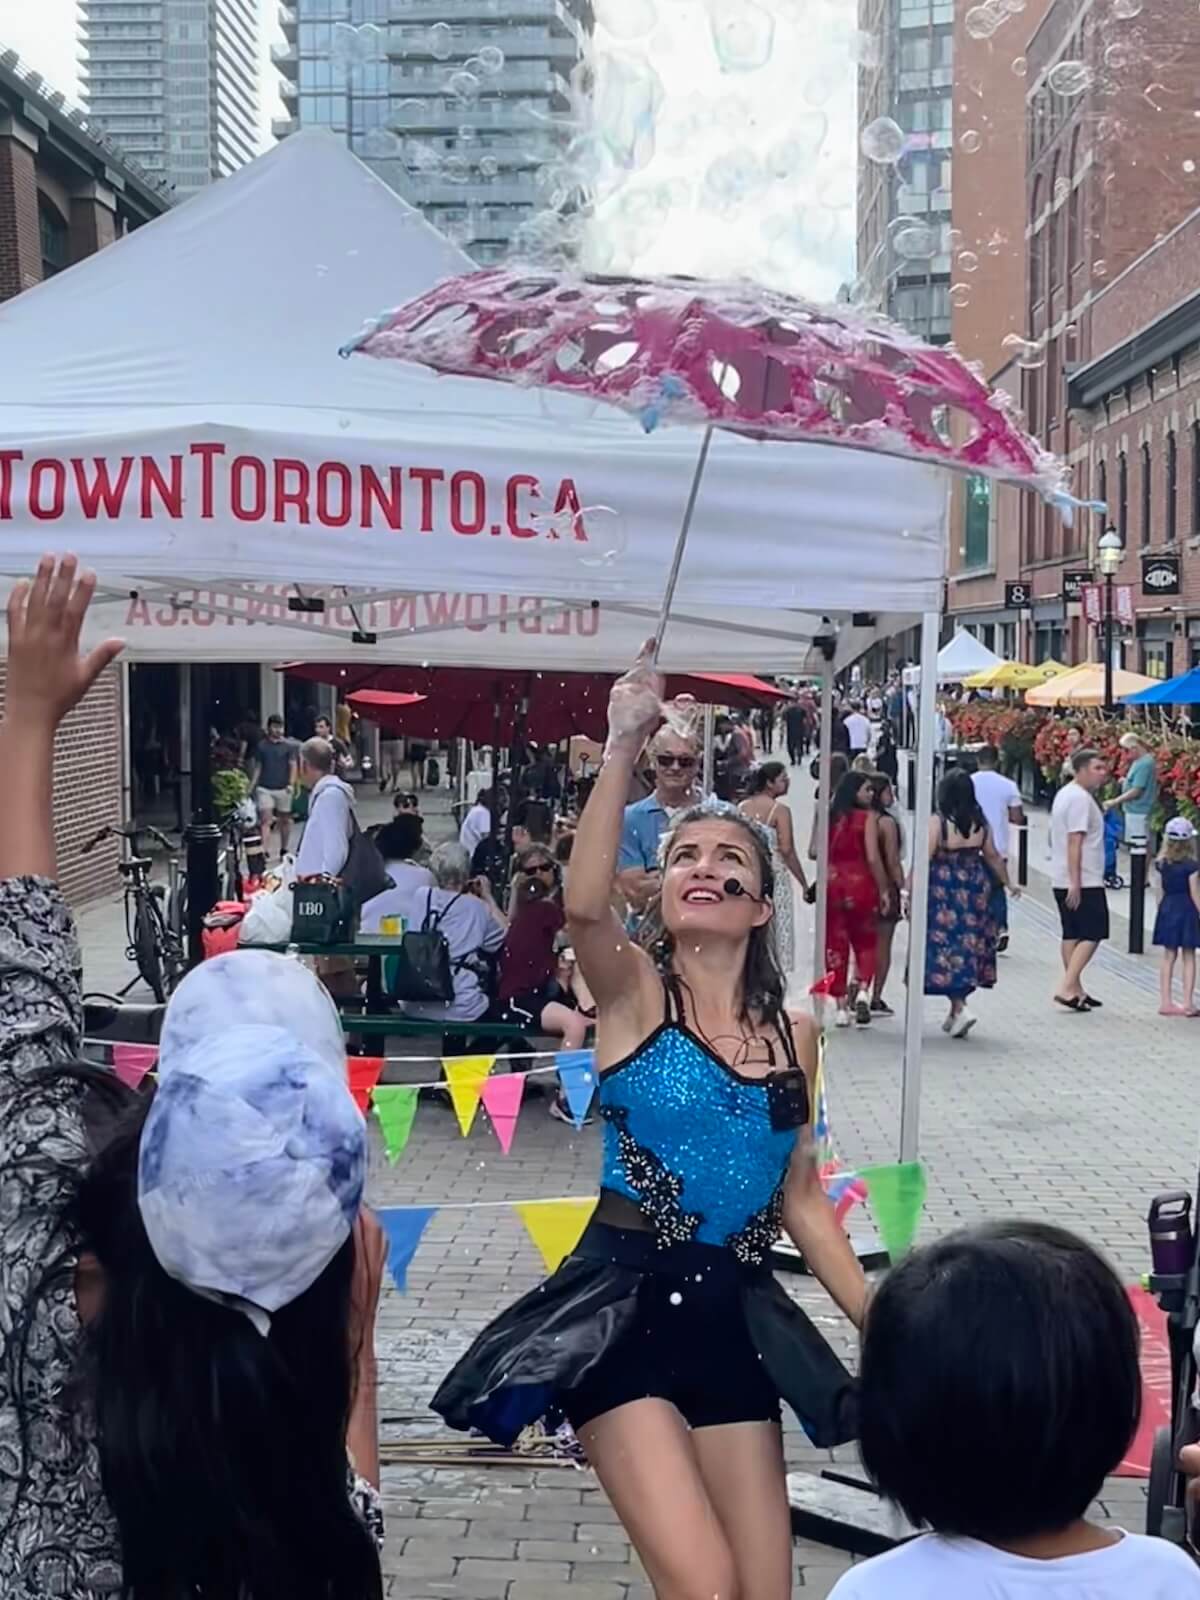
x=1079 y=1119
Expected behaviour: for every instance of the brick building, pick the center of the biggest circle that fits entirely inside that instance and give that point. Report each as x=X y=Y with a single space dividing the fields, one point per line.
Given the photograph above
x=65 y=192
x=1108 y=118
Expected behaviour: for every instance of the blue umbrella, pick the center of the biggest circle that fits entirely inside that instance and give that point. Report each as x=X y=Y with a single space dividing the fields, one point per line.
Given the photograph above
x=1181 y=691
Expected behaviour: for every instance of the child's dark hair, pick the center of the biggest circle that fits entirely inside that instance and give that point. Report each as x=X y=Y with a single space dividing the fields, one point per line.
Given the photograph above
x=999 y=1381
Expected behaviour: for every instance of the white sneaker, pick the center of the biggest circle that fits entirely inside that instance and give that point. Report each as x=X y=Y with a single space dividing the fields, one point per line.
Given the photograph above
x=962 y=1024
x=948 y=1022
x=842 y=1020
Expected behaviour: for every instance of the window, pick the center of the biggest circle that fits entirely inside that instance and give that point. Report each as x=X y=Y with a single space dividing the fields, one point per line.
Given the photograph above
x=1101 y=495
x=54 y=236
x=1035 y=252
x=1123 y=497
x=1074 y=256
x=1196 y=480
x=1172 y=488
x=1145 y=499
x=977 y=522
x=1051 y=230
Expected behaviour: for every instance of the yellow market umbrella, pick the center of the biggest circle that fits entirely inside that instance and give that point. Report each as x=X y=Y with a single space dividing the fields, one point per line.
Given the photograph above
x=1084 y=686
x=1006 y=675
x=1052 y=669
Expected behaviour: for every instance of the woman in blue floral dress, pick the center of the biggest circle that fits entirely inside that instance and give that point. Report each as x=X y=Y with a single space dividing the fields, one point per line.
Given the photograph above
x=964 y=868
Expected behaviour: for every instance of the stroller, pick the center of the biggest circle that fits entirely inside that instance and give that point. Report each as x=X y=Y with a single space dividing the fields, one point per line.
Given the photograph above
x=1113 y=833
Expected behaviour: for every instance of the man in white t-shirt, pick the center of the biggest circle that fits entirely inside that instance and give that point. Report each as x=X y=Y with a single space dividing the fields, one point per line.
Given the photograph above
x=1000 y=801
x=1077 y=874
x=858 y=731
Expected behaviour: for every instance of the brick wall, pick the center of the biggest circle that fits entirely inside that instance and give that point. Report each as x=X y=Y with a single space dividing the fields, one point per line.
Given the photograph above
x=20 y=236
x=87 y=788
x=1166 y=275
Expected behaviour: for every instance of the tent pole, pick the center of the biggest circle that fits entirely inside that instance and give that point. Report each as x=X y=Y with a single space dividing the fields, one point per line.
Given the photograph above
x=825 y=781
x=203 y=835
x=710 y=728
x=684 y=528
x=918 y=909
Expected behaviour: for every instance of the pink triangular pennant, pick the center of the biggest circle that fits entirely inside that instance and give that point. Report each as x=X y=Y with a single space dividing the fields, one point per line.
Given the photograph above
x=131 y=1062
x=502 y=1101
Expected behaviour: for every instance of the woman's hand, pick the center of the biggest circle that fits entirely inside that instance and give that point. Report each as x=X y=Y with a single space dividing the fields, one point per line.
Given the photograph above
x=46 y=674
x=635 y=705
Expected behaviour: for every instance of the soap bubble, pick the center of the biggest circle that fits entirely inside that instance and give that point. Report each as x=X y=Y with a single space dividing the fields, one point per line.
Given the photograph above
x=456 y=169
x=981 y=22
x=675 y=1297
x=382 y=143
x=607 y=537
x=488 y=166
x=626 y=19
x=971 y=141
x=914 y=241
x=1021 y=66
x=491 y=59
x=865 y=48
x=1189 y=166
x=350 y=45
x=968 y=261
x=1127 y=8
x=960 y=293
x=1062 y=188
x=1100 y=268
x=732 y=179
x=743 y=34
x=1119 y=55
x=821 y=87
x=463 y=231
x=883 y=140
x=408 y=113
x=997 y=242
x=1069 y=78
x=463 y=85
x=806 y=135
x=441 y=41
x=422 y=157
x=626 y=100
x=1026 y=353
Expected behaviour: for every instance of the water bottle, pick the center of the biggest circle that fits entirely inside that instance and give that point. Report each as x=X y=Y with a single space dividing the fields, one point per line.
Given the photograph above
x=1172 y=1246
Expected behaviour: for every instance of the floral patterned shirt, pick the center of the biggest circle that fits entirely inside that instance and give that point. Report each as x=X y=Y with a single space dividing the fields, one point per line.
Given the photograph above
x=58 y=1537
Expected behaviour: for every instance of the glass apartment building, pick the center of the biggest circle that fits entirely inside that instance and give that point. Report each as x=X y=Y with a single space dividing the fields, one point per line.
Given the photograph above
x=175 y=82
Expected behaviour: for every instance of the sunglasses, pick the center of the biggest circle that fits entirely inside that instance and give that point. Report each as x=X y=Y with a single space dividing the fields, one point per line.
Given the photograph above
x=684 y=763
x=542 y=866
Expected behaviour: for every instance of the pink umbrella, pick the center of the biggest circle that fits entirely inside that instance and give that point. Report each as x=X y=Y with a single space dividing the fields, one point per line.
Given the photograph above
x=733 y=356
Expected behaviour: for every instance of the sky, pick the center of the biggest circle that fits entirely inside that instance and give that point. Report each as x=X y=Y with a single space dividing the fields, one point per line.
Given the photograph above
x=735 y=121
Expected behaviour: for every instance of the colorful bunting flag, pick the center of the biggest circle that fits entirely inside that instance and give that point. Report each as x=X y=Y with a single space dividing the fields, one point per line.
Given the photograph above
x=404 y=1226
x=362 y=1074
x=577 y=1074
x=395 y=1106
x=897 y=1195
x=501 y=1098
x=846 y=1190
x=131 y=1062
x=555 y=1226
x=466 y=1076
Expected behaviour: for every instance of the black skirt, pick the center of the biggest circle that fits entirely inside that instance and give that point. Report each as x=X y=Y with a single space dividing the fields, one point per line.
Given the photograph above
x=523 y=1365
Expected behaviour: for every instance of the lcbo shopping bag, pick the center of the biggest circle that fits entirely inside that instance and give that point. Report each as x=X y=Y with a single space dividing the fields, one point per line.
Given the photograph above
x=323 y=913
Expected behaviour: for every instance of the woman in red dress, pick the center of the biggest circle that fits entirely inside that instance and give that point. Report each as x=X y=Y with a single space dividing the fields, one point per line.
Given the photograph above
x=858 y=892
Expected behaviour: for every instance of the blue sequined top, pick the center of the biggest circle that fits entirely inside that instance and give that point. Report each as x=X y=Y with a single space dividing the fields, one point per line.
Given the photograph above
x=700 y=1149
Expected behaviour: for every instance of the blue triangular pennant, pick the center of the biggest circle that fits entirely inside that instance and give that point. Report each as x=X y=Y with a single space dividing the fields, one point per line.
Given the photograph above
x=404 y=1226
x=577 y=1074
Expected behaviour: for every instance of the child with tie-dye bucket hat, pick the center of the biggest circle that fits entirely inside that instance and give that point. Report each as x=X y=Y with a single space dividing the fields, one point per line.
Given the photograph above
x=187 y=1278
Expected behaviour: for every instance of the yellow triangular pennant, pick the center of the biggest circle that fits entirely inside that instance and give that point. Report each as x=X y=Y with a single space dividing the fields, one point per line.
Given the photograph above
x=466 y=1076
x=555 y=1226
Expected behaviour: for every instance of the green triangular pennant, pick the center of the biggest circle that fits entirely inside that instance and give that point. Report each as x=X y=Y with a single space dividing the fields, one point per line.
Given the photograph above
x=395 y=1106
x=897 y=1196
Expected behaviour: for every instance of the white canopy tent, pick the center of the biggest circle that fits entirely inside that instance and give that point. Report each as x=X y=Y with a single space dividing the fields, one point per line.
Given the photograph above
x=958 y=659
x=182 y=420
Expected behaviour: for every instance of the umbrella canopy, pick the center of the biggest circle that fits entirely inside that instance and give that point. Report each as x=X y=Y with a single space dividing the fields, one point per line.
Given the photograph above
x=1084 y=686
x=1181 y=691
x=1014 y=675
x=1053 y=669
x=488 y=707
x=733 y=355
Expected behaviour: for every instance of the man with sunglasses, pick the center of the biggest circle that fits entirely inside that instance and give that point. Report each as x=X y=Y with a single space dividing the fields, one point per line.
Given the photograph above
x=676 y=763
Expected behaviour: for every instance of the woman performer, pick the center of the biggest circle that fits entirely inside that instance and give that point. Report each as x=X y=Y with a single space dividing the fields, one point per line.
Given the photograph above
x=664 y=1339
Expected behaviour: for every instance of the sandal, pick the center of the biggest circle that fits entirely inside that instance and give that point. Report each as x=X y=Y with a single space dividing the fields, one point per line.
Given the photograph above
x=1072 y=1004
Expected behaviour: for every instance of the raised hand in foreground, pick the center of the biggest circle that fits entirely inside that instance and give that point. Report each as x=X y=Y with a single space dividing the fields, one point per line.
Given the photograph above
x=46 y=677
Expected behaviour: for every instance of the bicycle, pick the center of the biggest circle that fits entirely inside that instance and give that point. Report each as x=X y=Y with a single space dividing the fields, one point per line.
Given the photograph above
x=155 y=936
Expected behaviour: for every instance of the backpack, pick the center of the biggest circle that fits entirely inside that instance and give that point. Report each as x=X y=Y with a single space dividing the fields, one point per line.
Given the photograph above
x=433 y=774
x=422 y=969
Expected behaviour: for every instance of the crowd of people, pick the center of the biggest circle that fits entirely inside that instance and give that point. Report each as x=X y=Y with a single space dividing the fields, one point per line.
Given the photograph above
x=188 y=1382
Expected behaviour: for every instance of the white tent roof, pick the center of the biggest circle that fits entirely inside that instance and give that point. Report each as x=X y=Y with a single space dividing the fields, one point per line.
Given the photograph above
x=181 y=418
x=958 y=659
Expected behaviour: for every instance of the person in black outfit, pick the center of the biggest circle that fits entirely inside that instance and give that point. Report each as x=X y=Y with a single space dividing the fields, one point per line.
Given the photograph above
x=887 y=760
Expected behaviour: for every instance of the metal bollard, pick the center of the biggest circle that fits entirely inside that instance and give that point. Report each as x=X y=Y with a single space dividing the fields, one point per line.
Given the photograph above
x=1137 y=896
x=1023 y=855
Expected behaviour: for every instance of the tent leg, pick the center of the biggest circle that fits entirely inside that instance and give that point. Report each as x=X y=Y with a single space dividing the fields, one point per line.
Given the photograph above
x=918 y=910
x=825 y=781
x=202 y=833
x=710 y=728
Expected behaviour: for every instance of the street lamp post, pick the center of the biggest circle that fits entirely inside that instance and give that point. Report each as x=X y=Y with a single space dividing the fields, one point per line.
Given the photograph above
x=1110 y=551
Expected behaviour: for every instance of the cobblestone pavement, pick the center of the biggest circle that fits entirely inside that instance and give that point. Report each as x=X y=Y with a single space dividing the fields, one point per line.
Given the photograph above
x=1078 y=1119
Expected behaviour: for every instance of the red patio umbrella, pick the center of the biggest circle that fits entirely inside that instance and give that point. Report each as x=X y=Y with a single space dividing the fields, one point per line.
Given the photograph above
x=491 y=707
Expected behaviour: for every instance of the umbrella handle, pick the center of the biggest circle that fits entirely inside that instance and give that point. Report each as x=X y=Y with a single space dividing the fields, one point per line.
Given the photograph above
x=677 y=558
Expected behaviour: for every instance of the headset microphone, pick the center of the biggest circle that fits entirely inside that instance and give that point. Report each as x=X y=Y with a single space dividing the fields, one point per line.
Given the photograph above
x=739 y=891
